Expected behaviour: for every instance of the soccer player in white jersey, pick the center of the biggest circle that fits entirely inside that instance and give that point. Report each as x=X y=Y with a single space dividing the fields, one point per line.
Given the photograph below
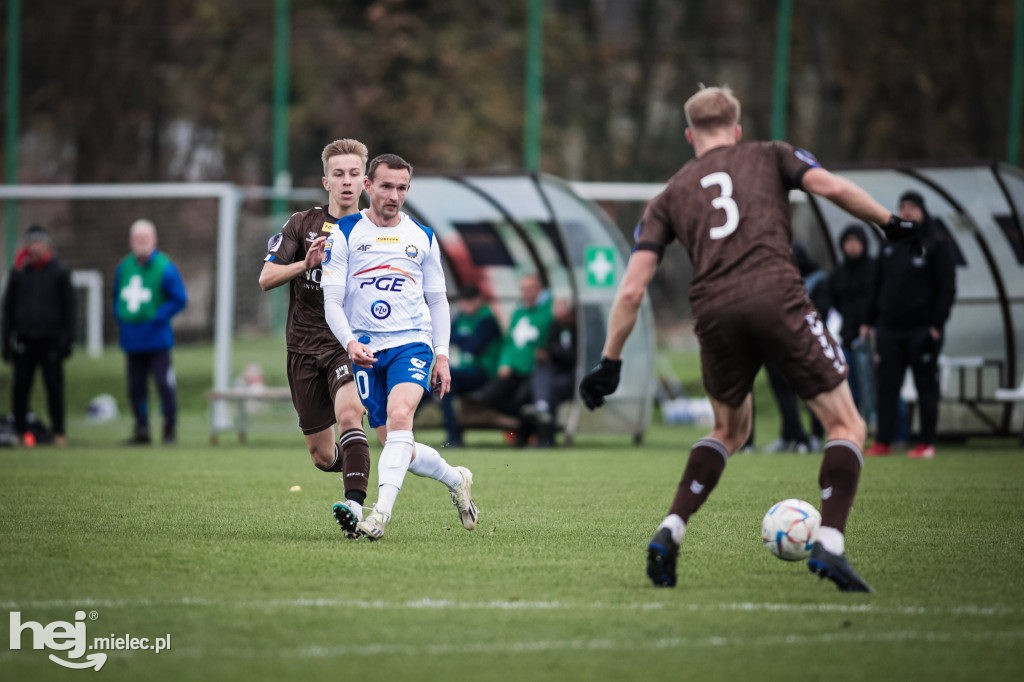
x=385 y=300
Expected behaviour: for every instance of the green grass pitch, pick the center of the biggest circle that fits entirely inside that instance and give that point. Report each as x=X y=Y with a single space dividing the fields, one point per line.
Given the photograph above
x=255 y=582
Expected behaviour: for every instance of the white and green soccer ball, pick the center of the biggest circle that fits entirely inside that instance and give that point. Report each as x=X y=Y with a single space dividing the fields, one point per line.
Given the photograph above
x=790 y=528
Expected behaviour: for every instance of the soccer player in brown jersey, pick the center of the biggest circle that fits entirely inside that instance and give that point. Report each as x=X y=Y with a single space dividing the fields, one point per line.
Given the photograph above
x=730 y=209
x=319 y=370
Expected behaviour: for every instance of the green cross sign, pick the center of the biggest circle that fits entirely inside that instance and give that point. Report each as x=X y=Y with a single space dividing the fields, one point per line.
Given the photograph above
x=599 y=262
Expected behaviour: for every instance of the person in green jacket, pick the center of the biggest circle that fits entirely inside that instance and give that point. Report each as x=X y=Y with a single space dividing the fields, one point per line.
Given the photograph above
x=527 y=330
x=148 y=291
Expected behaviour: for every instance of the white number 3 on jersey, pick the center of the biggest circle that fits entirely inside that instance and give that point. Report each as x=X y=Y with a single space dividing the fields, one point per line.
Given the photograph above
x=724 y=202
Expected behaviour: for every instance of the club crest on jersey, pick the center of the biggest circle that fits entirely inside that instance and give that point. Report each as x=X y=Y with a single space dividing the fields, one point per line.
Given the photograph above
x=380 y=309
x=327 y=251
x=807 y=157
x=416 y=362
x=411 y=251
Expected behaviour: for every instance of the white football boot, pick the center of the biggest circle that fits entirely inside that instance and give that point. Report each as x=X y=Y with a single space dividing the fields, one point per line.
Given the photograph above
x=373 y=525
x=463 y=500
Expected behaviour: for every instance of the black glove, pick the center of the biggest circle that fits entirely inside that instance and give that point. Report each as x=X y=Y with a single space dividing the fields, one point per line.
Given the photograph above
x=599 y=382
x=898 y=229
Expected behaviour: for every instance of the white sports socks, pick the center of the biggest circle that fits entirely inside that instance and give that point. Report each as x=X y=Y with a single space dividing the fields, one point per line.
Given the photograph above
x=832 y=540
x=676 y=526
x=391 y=468
x=429 y=463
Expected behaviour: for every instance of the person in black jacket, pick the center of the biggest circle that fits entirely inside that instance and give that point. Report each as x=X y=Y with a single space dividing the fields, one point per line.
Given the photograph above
x=38 y=328
x=915 y=289
x=851 y=290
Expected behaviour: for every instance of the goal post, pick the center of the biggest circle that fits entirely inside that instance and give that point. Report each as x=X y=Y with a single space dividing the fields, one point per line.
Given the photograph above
x=229 y=199
x=92 y=282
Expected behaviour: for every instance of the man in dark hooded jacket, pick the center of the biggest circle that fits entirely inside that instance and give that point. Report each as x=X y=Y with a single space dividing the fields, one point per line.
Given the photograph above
x=914 y=292
x=38 y=325
x=851 y=290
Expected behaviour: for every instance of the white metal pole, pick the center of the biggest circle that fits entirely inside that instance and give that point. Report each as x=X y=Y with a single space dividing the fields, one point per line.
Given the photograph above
x=92 y=282
x=227 y=225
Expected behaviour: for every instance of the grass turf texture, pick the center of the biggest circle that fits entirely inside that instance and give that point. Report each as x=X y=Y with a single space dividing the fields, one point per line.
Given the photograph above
x=255 y=582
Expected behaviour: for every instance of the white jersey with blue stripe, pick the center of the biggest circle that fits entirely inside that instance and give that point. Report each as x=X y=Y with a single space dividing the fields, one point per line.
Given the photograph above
x=385 y=272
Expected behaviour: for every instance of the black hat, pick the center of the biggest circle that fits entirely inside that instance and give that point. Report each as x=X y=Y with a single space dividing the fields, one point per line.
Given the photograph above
x=913 y=197
x=35 y=233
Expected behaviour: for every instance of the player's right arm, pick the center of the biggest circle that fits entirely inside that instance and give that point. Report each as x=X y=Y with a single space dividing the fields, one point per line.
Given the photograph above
x=641 y=268
x=274 y=274
x=654 y=232
x=603 y=379
x=652 y=235
x=855 y=201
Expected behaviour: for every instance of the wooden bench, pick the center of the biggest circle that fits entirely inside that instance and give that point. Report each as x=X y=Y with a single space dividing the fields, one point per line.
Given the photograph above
x=473 y=414
x=241 y=397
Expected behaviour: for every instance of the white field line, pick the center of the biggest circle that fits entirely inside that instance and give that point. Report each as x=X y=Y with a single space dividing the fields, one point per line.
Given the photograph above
x=623 y=645
x=646 y=645
x=427 y=604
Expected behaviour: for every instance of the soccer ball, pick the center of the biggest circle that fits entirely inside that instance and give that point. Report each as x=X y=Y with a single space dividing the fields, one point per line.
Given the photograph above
x=790 y=528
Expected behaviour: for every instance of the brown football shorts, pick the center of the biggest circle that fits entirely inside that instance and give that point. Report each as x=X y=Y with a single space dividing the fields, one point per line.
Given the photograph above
x=314 y=381
x=781 y=326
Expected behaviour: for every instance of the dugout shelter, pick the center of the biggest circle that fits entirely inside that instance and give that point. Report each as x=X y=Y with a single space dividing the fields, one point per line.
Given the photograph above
x=494 y=229
x=980 y=207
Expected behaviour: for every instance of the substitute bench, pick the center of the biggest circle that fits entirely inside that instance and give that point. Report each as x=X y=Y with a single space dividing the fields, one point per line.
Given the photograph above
x=242 y=398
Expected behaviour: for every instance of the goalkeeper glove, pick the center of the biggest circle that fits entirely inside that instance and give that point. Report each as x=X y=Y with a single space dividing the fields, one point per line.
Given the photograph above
x=898 y=229
x=599 y=382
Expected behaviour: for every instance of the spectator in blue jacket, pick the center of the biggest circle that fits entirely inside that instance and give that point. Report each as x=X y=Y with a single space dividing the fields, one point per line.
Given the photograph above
x=148 y=291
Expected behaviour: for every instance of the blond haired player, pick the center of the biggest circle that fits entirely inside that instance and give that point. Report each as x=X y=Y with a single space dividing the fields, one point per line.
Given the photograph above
x=729 y=207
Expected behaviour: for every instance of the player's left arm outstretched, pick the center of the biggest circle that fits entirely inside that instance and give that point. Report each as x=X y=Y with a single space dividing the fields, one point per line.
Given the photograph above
x=436 y=295
x=856 y=201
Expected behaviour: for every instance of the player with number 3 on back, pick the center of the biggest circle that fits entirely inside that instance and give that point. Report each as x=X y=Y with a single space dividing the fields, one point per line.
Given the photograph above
x=729 y=207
